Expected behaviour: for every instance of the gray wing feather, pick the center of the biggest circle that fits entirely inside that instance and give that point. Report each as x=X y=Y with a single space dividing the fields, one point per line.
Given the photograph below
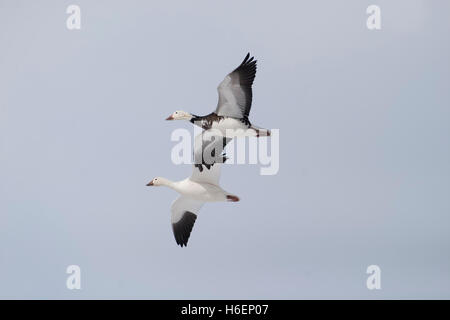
x=235 y=91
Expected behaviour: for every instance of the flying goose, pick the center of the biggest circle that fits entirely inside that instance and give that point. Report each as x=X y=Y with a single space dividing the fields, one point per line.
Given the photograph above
x=233 y=108
x=202 y=186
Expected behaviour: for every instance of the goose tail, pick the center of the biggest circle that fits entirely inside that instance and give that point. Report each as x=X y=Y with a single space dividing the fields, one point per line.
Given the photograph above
x=260 y=132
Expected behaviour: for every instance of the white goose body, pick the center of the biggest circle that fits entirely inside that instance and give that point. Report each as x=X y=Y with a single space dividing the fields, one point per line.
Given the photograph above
x=232 y=127
x=201 y=191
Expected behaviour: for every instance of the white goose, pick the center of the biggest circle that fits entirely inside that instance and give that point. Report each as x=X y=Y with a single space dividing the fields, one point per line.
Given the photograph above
x=202 y=186
x=233 y=107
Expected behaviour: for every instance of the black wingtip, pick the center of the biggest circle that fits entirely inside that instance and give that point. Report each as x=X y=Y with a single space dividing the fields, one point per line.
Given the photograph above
x=246 y=59
x=182 y=229
x=249 y=60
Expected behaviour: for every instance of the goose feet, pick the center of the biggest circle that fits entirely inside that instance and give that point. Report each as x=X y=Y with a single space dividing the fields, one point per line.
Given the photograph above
x=232 y=198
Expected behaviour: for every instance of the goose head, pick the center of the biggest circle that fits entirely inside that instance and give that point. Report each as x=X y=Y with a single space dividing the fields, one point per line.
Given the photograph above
x=180 y=115
x=159 y=181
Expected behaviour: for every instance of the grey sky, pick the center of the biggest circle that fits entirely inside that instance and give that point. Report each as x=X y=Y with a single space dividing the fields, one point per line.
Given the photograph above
x=364 y=119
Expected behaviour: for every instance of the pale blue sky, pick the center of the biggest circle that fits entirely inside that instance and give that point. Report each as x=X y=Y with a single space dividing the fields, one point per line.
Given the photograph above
x=364 y=119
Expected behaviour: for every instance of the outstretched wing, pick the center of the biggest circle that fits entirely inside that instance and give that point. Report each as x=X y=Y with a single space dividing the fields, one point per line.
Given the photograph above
x=184 y=213
x=235 y=91
x=208 y=155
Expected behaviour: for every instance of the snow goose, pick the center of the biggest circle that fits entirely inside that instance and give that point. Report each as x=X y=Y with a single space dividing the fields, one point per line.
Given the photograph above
x=233 y=108
x=202 y=186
